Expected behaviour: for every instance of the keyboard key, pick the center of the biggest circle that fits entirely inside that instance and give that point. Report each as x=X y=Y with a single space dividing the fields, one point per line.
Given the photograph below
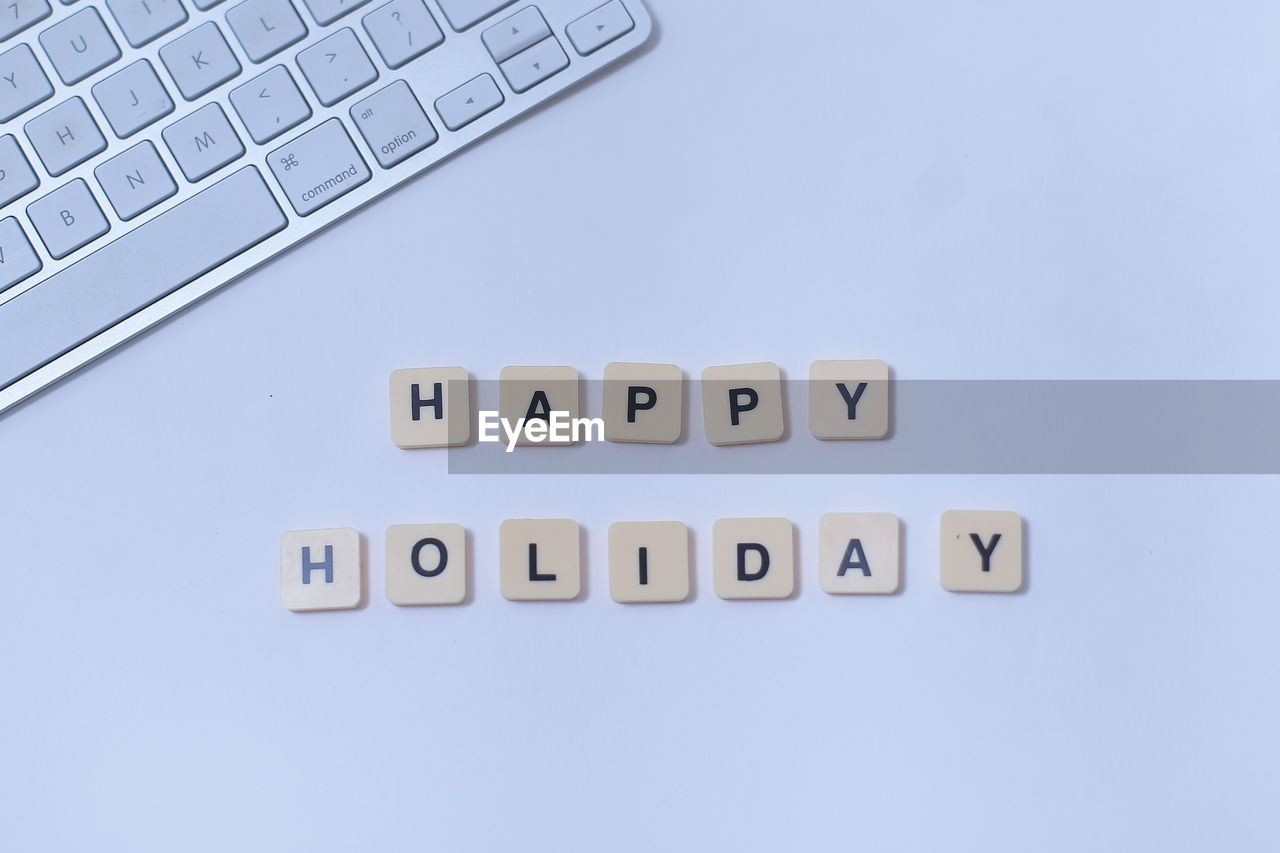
x=270 y=104
x=643 y=402
x=402 y=30
x=469 y=101
x=527 y=69
x=136 y=180
x=18 y=260
x=143 y=21
x=858 y=553
x=22 y=82
x=205 y=5
x=132 y=98
x=393 y=123
x=981 y=551
x=540 y=559
x=849 y=399
x=511 y=35
x=753 y=558
x=337 y=66
x=328 y=11
x=17 y=178
x=319 y=166
x=648 y=561
x=599 y=27
x=65 y=136
x=17 y=15
x=79 y=45
x=426 y=564
x=176 y=247
x=430 y=407
x=464 y=13
x=199 y=60
x=203 y=142
x=742 y=403
x=265 y=27
x=321 y=569
x=67 y=218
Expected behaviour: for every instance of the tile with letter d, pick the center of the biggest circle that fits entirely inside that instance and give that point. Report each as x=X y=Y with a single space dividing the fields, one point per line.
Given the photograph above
x=539 y=559
x=753 y=558
x=321 y=569
x=426 y=564
x=648 y=561
x=430 y=407
x=858 y=553
x=534 y=395
x=742 y=403
x=643 y=402
x=981 y=551
x=849 y=399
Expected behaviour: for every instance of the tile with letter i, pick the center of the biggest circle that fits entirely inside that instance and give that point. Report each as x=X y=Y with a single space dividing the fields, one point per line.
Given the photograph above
x=648 y=561
x=321 y=569
x=858 y=553
x=539 y=559
x=742 y=403
x=753 y=558
x=981 y=551
x=849 y=399
x=430 y=407
x=426 y=564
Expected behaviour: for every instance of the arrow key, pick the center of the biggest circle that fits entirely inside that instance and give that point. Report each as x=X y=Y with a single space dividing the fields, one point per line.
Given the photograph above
x=468 y=102
x=530 y=67
x=270 y=104
x=521 y=31
x=599 y=27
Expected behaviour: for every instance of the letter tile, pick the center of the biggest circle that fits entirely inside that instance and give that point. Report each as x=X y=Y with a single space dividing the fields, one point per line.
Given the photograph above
x=648 y=561
x=426 y=564
x=539 y=559
x=321 y=569
x=981 y=551
x=430 y=407
x=858 y=553
x=532 y=393
x=643 y=402
x=849 y=399
x=742 y=403
x=753 y=558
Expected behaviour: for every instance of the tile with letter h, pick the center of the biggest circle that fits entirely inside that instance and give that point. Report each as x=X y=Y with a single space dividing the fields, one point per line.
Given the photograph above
x=321 y=569
x=430 y=407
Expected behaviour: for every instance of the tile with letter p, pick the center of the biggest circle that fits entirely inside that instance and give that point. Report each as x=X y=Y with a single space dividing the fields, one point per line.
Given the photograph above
x=321 y=569
x=753 y=558
x=981 y=551
x=742 y=403
x=539 y=559
x=426 y=564
x=643 y=402
x=430 y=407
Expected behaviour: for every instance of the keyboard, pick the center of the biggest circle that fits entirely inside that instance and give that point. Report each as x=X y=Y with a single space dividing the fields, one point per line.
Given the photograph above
x=154 y=150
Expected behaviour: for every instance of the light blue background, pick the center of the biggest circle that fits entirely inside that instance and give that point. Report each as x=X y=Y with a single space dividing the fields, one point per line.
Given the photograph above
x=964 y=189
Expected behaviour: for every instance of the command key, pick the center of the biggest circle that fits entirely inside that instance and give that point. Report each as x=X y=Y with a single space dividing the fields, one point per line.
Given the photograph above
x=318 y=167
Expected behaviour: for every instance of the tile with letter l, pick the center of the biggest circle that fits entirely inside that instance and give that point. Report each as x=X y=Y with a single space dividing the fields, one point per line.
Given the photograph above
x=753 y=558
x=321 y=569
x=981 y=551
x=742 y=403
x=539 y=559
x=534 y=394
x=648 y=561
x=426 y=564
x=643 y=402
x=430 y=407
x=849 y=399
x=858 y=553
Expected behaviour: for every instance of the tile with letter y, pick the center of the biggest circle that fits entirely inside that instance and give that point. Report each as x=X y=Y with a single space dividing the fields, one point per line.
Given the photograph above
x=648 y=561
x=430 y=407
x=753 y=558
x=742 y=403
x=849 y=399
x=858 y=553
x=981 y=551
x=321 y=569
x=426 y=564
x=539 y=559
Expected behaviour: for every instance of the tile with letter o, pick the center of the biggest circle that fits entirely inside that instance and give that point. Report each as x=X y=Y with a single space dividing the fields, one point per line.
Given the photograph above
x=321 y=569
x=858 y=553
x=849 y=399
x=648 y=561
x=430 y=407
x=753 y=558
x=539 y=559
x=426 y=564
x=981 y=551
x=643 y=402
x=534 y=393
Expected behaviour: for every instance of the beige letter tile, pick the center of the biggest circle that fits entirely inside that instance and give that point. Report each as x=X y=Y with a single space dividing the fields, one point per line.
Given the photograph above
x=426 y=564
x=320 y=569
x=742 y=403
x=526 y=390
x=539 y=559
x=643 y=402
x=648 y=561
x=858 y=553
x=430 y=407
x=849 y=399
x=981 y=551
x=753 y=558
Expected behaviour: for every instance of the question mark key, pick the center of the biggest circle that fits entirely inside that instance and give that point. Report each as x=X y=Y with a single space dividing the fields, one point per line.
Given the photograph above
x=388 y=26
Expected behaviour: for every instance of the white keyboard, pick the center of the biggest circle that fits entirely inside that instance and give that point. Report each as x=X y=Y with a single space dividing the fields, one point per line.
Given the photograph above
x=153 y=150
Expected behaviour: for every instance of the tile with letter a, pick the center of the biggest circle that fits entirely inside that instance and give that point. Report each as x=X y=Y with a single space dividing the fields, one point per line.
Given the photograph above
x=426 y=564
x=643 y=402
x=858 y=553
x=539 y=559
x=981 y=551
x=321 y=569
x=430 y=407
x=538 y=394
x=753 y=558
x=648 y=561
x=742 y=403
x=849 y=399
